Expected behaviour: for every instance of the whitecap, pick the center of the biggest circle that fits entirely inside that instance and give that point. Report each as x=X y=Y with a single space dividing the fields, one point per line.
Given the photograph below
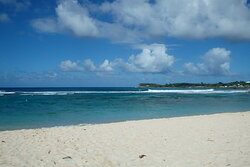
x=196 y=91
x=2 y=93
x=180 y=91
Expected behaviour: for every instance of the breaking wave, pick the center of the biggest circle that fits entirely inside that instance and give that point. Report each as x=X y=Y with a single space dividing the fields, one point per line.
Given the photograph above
x=197 y=91
x=179 y=91
x=73 y=92
x=2 y=93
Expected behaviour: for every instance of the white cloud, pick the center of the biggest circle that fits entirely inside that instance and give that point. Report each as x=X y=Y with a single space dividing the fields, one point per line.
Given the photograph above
x=139 y=15
x=106 y=66
x=71 y=16
x=137 y=20
x=152 y=59
x=4 y=17
x=155 y=59
x=191 y=68
x=89 y=65
x=86 y=66
x=75 y=17
x=118 y=33
x=46 y=25
x=68 y=65
x=215 y=62
x=194 y=19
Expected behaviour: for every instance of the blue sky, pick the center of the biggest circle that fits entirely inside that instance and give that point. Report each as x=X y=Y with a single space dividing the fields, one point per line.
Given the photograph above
x=123 y=42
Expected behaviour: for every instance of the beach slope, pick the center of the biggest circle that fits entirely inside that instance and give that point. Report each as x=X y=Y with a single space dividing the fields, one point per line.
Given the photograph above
x=211 y=140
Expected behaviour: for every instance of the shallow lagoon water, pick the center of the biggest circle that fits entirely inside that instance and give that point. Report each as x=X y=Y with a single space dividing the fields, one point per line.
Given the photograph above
x=47 y=107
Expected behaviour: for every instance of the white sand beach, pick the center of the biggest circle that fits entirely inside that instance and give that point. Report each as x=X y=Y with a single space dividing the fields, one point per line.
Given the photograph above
x=196 y=141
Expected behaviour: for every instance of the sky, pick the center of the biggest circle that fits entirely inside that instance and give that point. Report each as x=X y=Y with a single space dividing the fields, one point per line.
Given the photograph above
x=120 y=43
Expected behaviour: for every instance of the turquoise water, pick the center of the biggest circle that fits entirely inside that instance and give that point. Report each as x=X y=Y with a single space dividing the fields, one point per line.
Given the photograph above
x=46 y=107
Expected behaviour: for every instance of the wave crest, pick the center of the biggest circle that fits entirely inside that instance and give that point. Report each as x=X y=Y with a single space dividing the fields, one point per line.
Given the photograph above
x=179 y=91
x=197 y=91
x=2 y=93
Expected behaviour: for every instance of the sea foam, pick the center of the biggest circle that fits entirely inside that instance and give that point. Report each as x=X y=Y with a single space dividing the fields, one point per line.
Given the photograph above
x=197 y=91
x=179 y=91
x=2 y=93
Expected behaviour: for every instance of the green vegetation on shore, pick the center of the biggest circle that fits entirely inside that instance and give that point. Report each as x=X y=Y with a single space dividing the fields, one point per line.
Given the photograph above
x=232 y=85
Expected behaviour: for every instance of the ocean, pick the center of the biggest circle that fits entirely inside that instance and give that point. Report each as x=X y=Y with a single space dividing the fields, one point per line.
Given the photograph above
x=22 y=108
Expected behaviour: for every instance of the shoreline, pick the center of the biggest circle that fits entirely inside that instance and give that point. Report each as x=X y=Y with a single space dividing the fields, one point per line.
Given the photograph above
x=93 y=124
x=221 y=139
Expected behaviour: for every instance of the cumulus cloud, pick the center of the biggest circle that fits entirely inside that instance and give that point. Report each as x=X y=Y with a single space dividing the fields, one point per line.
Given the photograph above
x=137 y=20
x=215 y=62
x=194 y=19
x=68 y=65
x=86 y=66
x=75 y=18
x=152 y=59
x=106 y=66
x=4 y=17
x=191 y=68
x=71 y=16
x=89 y=65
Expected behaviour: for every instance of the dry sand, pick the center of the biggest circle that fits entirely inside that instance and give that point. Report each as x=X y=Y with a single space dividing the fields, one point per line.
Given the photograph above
x=197 y=141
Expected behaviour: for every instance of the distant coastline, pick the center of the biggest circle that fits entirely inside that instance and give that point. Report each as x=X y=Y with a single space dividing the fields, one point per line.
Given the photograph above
x=219 y=85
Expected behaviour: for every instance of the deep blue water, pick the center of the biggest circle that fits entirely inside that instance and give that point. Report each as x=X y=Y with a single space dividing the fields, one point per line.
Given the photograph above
x=46 y=107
